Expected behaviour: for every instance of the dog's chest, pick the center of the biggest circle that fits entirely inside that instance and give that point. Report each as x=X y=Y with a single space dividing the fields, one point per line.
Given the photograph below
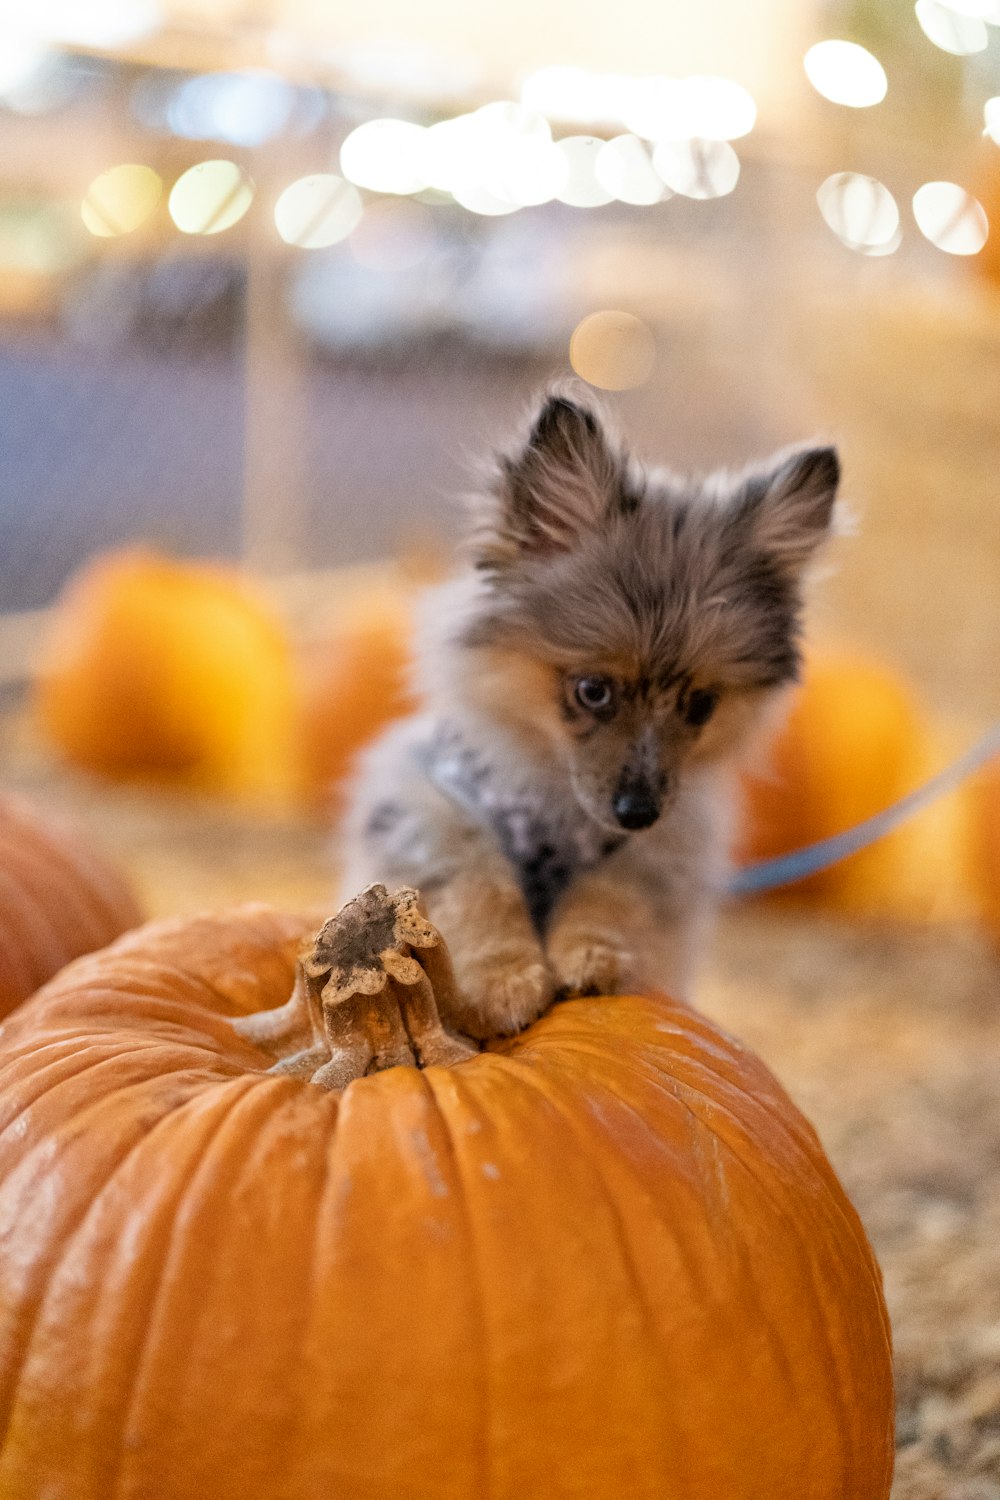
x=543 y=832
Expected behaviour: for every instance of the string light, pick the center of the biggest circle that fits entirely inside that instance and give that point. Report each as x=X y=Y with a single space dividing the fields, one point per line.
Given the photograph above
x=210 y=197
x=613 y=351
x=582 y=189
x=861 y=211
x=697 y=169
x=317 y=211
x=846 y=73
x=950 y=218
x=384 y=155
x=120 y=200
x=952 y=31
x=623 y=167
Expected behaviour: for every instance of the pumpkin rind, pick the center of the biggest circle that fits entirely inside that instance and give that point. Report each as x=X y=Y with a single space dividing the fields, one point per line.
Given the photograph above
x=58 y=899
x=606 y=1257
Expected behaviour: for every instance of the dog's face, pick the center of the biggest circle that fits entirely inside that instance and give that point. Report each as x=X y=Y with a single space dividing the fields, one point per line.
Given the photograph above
x=643 y=621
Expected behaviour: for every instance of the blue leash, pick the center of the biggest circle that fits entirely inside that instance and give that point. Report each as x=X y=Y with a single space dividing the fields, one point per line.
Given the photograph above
x=769 y=874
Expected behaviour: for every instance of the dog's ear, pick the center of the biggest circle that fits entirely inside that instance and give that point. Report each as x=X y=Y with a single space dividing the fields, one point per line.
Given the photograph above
x=562 y=483
x=786 y=506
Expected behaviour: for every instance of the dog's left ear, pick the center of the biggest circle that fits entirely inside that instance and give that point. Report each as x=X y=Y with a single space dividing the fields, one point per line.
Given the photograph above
x=565 y=480
x=787 y=506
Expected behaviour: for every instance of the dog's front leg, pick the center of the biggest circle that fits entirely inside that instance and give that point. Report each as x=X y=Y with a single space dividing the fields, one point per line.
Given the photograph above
x=504 y=979
x=616 y=930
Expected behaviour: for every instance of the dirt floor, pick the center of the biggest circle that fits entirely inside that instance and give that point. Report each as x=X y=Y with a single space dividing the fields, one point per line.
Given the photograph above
x=888 y=1039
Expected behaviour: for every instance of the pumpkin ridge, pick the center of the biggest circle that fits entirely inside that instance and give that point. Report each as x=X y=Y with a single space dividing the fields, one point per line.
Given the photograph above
x=14 y=1374
x=252 y=1095
x=484 y=1445
x=676 y=1090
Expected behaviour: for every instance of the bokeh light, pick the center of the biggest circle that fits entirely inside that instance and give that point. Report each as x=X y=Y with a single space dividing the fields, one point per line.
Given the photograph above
x=624 y=168
x=697 y=169
x=22 y=58
x=90 y=23
x=210 y=197
x=244 y=109
x=576 y=95
x=384 y=156
x=846 y=73
x=683 y=109
x=861 y=211
x=958 y=33
x=950 y=218
x=991 y=116
x=612 y=350
x=120 y=200
x=494 y=160
x=317 y=211
x=582 y=188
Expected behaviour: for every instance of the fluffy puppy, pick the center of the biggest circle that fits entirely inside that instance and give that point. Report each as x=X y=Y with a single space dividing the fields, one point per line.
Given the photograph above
x=589 y=682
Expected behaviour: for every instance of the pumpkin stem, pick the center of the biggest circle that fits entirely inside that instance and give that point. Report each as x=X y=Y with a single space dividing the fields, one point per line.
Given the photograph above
x=366 y=996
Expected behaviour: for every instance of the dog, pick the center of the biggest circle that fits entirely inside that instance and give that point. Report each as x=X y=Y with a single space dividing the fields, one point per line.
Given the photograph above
x=589 y=681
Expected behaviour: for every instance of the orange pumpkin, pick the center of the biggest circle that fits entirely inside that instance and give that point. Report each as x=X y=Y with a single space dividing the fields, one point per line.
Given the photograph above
x=355 y=682
x=58 y=899
x=981 y=842
x=171 y=670
x=851 y=745
x=606 y=1257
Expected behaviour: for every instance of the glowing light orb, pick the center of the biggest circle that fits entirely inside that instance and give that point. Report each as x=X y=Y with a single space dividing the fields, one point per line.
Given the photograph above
x=701 y=107
x=846 y=73
x=120 y=200
x=210 y=197
x=861 y=211
x=612 y=350
x=950 y=218
x=984 y=9
x=959 y=34
x=317 y=211
x=22 y=58
x=697 y=169
x=90 y=23
x=991 y=115
x=624 y=169
x=478 y=199
x=582 y=189
x=384 y=155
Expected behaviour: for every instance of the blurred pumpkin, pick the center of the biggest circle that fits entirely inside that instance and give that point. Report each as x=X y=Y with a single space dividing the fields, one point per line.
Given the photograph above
x=607 y=1256
x=852 y=743
x=173 y=670
x=58 y=899
x=981 y=843
x=355 y=682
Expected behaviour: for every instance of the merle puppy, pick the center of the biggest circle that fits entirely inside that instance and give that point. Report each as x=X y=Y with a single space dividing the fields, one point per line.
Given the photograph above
x=589 y=683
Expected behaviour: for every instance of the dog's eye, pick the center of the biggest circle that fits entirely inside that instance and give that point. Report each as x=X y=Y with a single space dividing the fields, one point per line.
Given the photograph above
x=594 y=693
x=700 y=706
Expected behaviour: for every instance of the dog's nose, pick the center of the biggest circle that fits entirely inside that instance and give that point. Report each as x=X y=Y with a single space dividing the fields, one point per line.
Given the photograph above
x=636 y=808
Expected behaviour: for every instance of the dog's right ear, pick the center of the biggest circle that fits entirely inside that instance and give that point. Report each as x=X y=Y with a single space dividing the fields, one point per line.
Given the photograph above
x=563 y=483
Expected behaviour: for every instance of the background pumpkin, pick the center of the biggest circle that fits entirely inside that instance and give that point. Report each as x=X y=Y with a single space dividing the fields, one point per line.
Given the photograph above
x=853 y=742
x=981 y=844
x=354 y=683
x=173 y=670
x=606 y=1257
x=58 y=899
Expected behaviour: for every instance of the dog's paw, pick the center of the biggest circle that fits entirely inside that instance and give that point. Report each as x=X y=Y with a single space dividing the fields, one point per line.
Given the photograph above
x=502 y=996
x=590 y=966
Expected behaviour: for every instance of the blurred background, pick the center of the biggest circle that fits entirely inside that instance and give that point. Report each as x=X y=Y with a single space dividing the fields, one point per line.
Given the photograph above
x=292 y=355
x=275 y=274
